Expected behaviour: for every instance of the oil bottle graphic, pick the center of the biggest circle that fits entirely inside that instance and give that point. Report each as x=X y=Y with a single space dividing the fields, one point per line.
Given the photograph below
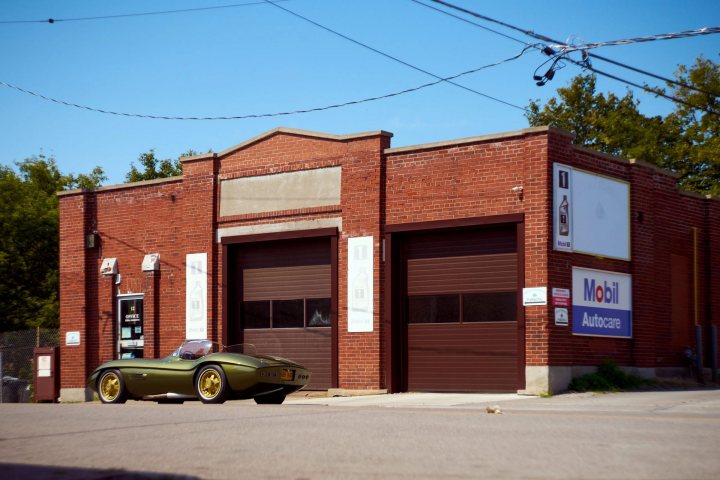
x=564 y=217
x=361 y=283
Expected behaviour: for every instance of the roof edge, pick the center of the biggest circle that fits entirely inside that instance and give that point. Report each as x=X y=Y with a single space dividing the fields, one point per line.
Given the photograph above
x=119 y=186
x=480 y=138
x=290 y=131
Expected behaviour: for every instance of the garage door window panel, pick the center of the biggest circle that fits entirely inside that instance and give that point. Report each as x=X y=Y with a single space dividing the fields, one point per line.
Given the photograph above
x=256 y=314
x=489 y=307
x=288 y=314
x=317 y=312
x=434 y=309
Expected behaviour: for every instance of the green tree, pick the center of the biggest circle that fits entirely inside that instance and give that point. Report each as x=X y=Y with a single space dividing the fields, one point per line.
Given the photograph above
x=696 y=157
x=685 y=141
x=154 y=168
x=29 y=240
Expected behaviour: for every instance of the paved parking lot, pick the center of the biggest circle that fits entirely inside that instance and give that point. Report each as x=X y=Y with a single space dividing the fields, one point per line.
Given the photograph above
x=643 y=435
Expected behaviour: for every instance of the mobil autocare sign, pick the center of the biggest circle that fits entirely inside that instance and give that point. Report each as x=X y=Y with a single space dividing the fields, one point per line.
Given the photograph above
x=601 y=303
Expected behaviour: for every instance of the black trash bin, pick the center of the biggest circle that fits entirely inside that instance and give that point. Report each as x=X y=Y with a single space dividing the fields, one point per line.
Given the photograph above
x=15 y=390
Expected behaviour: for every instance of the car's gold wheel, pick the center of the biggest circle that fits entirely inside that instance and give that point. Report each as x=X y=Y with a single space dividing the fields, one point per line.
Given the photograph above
x=111 y=387
x=210 y=384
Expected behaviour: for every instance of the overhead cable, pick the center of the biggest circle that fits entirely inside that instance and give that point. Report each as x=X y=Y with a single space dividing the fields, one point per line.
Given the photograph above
x=650 y=38
x=259 y=115
x=649 y=74
x=141 y=14
x=585 y=64
x=393 y=58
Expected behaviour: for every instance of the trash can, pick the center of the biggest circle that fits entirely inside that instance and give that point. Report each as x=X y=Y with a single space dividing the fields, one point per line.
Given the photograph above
x=15 y=390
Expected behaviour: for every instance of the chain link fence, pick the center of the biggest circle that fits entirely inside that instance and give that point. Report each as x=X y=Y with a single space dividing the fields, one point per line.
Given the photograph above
x=16 y=361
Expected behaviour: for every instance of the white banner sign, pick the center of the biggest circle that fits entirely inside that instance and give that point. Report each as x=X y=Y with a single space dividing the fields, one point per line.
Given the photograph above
x=196 y=296
x=591 y=213
x=360 y=284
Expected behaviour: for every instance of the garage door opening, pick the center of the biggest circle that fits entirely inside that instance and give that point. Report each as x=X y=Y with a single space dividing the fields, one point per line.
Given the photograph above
x=457 y=310
x=284 y=302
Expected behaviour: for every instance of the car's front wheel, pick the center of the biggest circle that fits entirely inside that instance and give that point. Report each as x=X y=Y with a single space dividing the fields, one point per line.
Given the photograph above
x=111 y=387
x=211 y=384
x=275 y=398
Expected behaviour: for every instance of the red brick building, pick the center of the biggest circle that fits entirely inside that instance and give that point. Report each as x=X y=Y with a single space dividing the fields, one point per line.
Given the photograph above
x=507 y=262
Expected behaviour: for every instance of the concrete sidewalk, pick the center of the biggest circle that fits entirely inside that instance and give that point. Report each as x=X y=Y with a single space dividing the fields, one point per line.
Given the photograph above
x=401 y=400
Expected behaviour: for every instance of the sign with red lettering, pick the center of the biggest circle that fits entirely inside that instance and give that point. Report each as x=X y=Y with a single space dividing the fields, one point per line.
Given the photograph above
x=561 y=297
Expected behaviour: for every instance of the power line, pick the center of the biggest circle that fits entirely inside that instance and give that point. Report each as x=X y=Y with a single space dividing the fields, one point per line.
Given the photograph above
x=645 y=72
x=395 y=59
x=593 y=55
x=529 y=33
x=261 y=115
x=141 y=14
x=644 y=87
x=584 y=64
x=650 y=38
x=458 y=17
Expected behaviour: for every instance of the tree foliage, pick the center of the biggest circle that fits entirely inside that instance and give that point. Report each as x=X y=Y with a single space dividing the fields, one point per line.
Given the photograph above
x=154 y=168
x=685 y=141
x=29 y=240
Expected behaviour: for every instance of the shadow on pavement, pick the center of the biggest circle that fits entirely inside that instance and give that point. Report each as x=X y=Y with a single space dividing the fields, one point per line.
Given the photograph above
x=16 y=471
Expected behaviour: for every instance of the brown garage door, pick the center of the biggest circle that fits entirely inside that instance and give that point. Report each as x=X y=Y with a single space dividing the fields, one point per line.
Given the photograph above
x=461 y=311
x=286 y=303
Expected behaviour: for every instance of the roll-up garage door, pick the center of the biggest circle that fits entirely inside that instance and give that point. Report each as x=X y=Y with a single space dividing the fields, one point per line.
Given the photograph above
x=461 y=311
x=286 y=303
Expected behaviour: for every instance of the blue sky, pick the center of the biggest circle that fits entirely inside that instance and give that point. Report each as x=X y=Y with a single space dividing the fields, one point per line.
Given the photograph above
x=259 y=59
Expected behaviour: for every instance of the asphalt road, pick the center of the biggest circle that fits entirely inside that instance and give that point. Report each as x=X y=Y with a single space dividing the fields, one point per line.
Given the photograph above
x=644 y=435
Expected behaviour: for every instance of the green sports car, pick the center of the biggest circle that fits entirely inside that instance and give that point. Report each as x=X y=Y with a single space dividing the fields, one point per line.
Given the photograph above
x=200 y=369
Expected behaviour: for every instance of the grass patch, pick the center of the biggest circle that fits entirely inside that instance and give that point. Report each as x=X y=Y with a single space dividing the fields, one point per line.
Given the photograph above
x=608 y=378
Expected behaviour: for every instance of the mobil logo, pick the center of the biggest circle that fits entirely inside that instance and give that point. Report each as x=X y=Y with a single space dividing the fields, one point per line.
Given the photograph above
x=601 y=292
x=601 y=289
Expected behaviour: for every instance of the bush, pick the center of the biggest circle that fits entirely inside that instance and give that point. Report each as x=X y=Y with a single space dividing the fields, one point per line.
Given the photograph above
x=608 y=378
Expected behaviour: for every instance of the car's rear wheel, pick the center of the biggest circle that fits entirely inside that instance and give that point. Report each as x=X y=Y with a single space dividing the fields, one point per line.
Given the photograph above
x=111 y=387
x=211 y=384
x=275 y=398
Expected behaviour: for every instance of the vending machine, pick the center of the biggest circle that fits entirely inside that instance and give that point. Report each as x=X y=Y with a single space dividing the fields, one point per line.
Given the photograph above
x=131 y=337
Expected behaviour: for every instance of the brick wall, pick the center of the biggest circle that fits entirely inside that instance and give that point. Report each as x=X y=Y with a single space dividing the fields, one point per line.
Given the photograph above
x=449 y=181
x=662 y=220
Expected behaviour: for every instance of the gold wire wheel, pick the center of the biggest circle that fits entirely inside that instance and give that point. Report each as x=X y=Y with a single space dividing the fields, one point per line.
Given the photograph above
x=209 y=383
x=110 y=386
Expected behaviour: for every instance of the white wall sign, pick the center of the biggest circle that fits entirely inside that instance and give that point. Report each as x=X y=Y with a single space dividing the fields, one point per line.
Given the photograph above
x=591 y=213
x=196 y=296
x=72 y=338
x=534 y=296
x=360 y=284
x=601 y=303
x=561 y=317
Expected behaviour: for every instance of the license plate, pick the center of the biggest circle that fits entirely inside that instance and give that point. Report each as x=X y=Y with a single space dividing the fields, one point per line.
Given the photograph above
x=287 y=374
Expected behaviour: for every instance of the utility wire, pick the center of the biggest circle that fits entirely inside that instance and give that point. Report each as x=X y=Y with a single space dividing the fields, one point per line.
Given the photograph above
x=643 y=87
x=529 y=33
x=585 y=65
x=649 y=74
x=458 y=17
x=141 y=14
x=395 y=59
x=261 y=115
x=650 y=38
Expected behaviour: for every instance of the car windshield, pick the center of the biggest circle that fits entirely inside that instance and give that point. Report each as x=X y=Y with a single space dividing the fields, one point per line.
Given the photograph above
x=244 y=348
x=195 y=349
